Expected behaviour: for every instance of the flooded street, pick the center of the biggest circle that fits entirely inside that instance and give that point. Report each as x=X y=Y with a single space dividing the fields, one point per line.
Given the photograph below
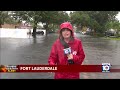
x=27 y=50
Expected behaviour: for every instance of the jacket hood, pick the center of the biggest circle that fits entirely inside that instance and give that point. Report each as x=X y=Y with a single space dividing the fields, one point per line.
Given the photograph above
x=68 y=26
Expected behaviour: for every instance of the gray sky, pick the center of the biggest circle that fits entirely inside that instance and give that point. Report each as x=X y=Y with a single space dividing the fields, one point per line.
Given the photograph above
x=118 y=16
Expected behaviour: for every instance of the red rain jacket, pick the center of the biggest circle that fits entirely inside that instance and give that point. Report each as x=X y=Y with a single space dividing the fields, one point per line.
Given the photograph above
x=57 y=57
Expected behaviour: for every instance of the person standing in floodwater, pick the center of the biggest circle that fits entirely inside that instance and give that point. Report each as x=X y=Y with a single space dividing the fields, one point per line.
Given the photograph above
x=67 y=49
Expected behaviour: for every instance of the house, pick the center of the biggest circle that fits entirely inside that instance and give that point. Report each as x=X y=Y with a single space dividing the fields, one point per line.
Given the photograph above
x=20 y=26
x=10 y=25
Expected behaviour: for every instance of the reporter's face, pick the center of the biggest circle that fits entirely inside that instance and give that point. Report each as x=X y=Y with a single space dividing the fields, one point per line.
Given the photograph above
x=66 y=33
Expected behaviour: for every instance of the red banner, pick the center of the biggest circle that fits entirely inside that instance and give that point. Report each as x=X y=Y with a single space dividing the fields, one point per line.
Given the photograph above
x=59 y=68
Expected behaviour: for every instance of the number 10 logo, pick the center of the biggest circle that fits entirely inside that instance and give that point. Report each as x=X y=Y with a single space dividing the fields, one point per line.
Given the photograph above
x=106 y=67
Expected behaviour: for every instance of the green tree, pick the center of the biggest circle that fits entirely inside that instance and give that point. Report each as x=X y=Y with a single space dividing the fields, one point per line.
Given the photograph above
x=113 y=25
x=95 y=20
x=32 y=17
x=53 y=17
x=5 y=17
x=46 y=17
x=102 y=17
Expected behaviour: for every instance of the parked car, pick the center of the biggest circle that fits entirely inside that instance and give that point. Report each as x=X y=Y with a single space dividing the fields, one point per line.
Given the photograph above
x=110 y=32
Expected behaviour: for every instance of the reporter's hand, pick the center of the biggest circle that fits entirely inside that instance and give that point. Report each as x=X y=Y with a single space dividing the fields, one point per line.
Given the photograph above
x=70 y=56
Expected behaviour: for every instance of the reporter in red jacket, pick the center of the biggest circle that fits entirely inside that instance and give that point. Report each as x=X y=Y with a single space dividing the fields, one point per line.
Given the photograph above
x=58 y=55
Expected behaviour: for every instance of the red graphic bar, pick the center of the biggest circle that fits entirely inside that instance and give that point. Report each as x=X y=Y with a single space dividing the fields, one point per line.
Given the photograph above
x=114 y=70
x=59 y=68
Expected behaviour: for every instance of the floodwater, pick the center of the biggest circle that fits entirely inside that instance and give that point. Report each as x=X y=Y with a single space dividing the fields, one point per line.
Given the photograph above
x=23 y=49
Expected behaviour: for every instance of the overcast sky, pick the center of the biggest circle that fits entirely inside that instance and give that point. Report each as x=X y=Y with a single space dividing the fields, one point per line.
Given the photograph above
x=118 y=16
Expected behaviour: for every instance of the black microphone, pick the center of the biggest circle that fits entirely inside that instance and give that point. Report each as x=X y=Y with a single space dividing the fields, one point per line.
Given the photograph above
x=68 y=51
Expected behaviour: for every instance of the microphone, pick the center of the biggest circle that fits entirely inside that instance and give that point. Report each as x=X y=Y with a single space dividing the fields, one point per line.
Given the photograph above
x=66 y=52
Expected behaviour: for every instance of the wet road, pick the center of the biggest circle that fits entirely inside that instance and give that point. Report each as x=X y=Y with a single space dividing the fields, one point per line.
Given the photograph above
x=15 y=51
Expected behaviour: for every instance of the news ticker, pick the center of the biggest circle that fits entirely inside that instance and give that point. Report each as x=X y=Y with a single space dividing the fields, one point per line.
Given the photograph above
x=104 y=67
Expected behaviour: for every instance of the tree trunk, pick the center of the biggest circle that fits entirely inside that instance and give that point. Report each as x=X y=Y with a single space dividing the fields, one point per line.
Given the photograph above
x=46 y=28
x=34 y=32
x=94 y=32
x=34 y=29
x=0 y=25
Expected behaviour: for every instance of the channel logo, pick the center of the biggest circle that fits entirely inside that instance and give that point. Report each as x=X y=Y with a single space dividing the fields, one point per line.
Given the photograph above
x=8 y=68
x=3 y=68
x=106 y=67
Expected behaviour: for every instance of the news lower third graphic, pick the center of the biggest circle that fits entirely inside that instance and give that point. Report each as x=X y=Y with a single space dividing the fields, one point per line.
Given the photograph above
x=104 y=67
